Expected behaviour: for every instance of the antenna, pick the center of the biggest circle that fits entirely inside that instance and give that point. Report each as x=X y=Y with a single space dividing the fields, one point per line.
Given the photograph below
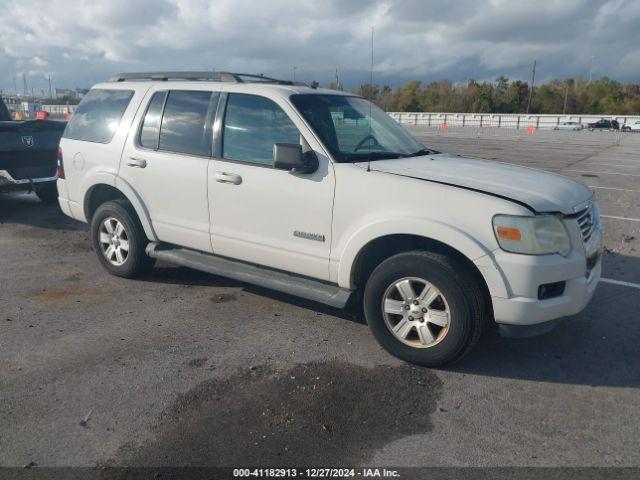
x=370 y=101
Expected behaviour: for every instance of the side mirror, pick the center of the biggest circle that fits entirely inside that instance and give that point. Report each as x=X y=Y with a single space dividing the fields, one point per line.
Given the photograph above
x=289 y=156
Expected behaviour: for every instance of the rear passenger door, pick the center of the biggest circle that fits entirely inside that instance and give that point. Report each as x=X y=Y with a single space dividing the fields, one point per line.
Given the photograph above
x=259 y=214
x=166 y=164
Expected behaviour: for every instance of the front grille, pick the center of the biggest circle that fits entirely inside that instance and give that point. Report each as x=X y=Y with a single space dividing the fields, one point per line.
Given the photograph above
x=587 y=222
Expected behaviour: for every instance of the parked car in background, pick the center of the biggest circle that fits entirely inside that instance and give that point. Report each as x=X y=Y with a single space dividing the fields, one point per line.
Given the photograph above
x=569 y=126
x=28 y=155
x=631 y=126
x=604 y=124
x=321 y=194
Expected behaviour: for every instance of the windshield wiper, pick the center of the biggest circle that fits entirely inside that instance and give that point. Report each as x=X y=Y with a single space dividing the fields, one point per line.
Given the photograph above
x=424 y=151
x=363 y=157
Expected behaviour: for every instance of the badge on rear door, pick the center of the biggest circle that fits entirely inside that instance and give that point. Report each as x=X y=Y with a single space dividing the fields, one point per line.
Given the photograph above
x=27 y=141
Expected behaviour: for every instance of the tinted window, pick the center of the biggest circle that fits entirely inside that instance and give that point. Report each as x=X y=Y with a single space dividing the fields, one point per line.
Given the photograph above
x=184 y=124
x=4 y=112
x=98 y=115
x=151 y=125
x=252 y=125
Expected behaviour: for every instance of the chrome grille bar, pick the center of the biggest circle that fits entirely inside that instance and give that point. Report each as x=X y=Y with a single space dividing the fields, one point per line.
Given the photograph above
x=587 y=223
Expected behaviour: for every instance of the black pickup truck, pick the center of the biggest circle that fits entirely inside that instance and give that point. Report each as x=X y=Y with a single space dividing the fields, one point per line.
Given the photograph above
x=28 y=155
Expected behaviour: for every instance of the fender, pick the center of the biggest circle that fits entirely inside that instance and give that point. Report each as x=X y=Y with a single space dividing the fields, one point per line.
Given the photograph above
x=105 y=178
x=138 y=205
x=432 y=229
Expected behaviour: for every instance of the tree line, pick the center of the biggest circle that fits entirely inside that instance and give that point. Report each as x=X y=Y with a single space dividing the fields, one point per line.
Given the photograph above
x=573 y=96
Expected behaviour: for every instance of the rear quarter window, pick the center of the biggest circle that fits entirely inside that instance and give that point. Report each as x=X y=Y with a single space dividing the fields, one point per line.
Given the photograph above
x=97 y=117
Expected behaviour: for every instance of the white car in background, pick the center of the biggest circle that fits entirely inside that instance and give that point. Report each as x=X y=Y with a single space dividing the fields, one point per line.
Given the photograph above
x=322 y=195
x=631 y=126
x=569 y=126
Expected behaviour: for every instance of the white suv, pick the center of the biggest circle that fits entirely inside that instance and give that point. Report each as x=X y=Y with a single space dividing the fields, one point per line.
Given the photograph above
x=320 y=194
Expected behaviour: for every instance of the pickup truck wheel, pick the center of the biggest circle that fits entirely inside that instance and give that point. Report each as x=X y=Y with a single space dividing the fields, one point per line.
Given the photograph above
x=424 y=308
x=47 y=193
x=119 y=240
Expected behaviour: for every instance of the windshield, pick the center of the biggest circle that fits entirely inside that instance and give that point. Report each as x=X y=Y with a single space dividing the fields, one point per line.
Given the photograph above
x=354 y=130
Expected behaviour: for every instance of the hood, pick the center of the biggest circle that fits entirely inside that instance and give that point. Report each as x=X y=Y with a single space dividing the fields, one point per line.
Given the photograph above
x=539 y=190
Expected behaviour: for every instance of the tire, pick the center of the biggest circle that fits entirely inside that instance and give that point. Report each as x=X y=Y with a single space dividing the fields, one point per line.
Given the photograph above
x=460 y=297
x=47 y=193
x=132 y=261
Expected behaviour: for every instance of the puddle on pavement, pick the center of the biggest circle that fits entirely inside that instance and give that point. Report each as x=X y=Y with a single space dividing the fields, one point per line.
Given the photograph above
x=313 y=414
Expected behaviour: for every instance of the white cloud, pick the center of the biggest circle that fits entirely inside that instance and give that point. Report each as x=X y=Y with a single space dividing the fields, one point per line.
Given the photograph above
x=84 y=41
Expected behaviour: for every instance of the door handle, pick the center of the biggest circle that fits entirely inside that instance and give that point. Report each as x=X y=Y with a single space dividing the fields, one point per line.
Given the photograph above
x=224 y=177
x=137 y=162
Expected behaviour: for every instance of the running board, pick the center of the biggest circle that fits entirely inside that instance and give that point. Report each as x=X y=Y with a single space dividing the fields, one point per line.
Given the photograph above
x=261 y=276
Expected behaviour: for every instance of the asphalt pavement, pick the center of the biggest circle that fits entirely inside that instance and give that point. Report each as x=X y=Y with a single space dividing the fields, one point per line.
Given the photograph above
x=186 y=368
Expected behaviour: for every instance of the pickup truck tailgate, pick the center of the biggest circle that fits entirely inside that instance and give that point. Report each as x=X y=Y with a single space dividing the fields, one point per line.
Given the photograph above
x=28 y=149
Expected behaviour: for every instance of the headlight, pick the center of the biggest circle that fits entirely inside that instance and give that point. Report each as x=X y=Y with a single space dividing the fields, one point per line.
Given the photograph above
x=538 y=235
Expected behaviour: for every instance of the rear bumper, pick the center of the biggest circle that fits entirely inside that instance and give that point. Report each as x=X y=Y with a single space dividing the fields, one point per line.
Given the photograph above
x=8 y=182
x=69 y=207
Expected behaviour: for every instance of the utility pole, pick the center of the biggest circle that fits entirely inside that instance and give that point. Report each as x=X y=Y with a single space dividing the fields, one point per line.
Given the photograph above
x=50 y=87
x=566 y=94
x=15 y=86
x=24 y=84
x=533 y=79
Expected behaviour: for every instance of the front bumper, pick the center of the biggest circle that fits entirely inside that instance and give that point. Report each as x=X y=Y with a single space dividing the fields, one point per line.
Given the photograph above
x=530 y=311
x=10 y=183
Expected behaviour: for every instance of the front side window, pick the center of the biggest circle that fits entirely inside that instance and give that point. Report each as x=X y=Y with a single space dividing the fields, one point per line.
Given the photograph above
x=252 y=125
x=185 y=127
x=97 y=117
x=353 y=129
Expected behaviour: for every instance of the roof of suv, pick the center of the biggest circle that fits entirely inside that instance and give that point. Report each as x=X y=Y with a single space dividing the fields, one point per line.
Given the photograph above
x=223 y=81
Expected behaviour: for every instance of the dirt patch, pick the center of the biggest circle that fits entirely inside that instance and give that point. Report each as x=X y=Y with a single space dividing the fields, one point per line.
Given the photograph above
x=197 y=362
x=223 y=298
x=314 y=414
x=62 y=294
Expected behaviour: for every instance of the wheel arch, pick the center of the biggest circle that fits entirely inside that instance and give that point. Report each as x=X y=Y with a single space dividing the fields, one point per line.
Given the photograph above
x=100 y=193
x=383 y=247
x=370 y=245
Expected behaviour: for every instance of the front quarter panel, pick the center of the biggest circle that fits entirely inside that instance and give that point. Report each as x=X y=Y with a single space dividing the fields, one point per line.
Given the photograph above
x=370 y=205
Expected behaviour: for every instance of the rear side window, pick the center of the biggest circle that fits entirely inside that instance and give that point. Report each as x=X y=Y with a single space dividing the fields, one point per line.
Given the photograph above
x=97 y=117
x=185 y=126
x=252 y=126
x=150 y=132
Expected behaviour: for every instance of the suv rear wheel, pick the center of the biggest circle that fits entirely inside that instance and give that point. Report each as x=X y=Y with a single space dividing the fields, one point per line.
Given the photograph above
x=119 y=240
x=424 y=308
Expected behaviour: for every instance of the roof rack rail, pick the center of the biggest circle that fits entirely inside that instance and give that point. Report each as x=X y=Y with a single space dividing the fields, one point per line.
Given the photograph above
x=211 y=76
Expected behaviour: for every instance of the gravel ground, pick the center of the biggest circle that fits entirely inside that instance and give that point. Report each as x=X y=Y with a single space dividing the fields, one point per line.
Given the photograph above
x=184 y=368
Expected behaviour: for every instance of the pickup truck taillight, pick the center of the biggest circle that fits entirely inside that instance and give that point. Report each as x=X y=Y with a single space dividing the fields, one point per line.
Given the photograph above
x=59 y=164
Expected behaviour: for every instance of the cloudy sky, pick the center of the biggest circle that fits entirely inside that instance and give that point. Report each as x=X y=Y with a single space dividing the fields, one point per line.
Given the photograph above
x=80 y=42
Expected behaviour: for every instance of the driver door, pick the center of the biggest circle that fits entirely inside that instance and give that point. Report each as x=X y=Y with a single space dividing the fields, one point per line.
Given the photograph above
x=259 y=214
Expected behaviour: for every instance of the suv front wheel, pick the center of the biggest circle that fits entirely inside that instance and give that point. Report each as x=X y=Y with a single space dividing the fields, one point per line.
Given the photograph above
x=119 y=240
x=424 y=307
